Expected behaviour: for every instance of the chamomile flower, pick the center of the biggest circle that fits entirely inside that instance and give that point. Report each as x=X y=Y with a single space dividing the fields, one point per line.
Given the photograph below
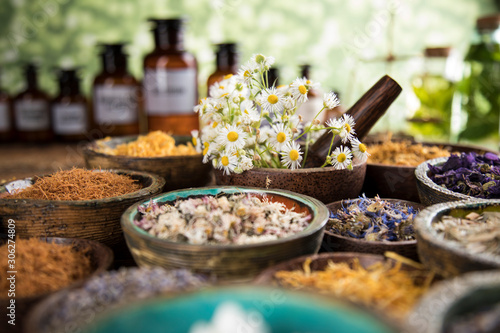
x=272 y=100
x=196 y=140
x=245 y=163
x=221 y=89
x=341 y=157
x=207 y=151
x=347 y=132
x=246 y=72
x=262 y=62
x=227 y=162
x=299 y=90
x=359 y=150
x=330 y=101
x=231 y=137
x=334 y=125
x=291 y=155
x=205 y=106
x=280 y=136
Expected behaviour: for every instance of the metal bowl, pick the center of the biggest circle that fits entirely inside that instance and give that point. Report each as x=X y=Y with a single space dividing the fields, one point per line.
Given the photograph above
x=453 y=299
x=338 y=243
x=178 y=171
x=446 y=257
x=226 y=262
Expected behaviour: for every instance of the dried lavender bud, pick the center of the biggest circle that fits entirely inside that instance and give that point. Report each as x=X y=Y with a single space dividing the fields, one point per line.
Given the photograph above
x=111 y=289
x=470 y=174
x=373 y=220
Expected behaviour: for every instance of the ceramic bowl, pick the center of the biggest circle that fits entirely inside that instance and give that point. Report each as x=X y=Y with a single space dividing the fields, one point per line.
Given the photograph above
x=453 y=300
x=178 y=171
x=446 y=257
x=400 y=182
x=97 y=220
x=101 y=258
x=226 y=262
x=333 y=242
x=282 y=311
x=431 y=193
x=325 y=184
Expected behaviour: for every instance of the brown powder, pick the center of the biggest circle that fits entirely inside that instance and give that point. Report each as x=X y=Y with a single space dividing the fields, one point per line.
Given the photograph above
x=43 y=267
x=78 y=184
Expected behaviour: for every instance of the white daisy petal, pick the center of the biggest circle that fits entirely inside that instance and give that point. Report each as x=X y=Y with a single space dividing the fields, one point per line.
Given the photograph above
x=291 y=156
x=227 y=162
x=359 y=150
x=231 y=137
x=341 y=157
x=280 y=136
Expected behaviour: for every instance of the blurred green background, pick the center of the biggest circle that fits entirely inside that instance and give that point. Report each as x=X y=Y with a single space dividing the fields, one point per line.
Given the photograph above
x=335 y=36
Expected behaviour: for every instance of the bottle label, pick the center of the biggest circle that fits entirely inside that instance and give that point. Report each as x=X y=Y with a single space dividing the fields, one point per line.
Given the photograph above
x=69 y=118
x=32 y=115
x=171 y=91
x=4 y=117
x=115 y=105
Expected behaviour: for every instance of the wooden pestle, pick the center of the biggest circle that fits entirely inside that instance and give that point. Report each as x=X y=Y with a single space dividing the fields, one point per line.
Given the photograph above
x=366 y=111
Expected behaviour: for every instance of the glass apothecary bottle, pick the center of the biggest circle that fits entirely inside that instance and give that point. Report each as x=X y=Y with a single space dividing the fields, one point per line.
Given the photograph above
x=70 y=112
x=170 y=83
x=6 y=117
x=32 y=120
x=480 y=86
x=226 y=61
x=117 y=96
x=434 y=89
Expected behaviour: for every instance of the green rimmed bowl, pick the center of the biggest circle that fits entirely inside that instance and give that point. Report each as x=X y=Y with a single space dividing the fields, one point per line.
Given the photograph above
x=282 y=311
x=446 y=257
x=226 y=262
x=450 y=301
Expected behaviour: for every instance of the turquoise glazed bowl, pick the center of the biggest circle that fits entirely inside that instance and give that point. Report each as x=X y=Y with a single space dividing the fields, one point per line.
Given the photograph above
x=283 y=312
x=226 y=262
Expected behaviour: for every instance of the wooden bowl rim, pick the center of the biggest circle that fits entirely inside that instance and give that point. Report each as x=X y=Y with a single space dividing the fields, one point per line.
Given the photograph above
x=104 y=263
x=157 y=183
x=89 y=149
x=317 y=224
x=421 y=173
x=267 y=275
x=375 y=243
x=424 y=230
x=432 y=308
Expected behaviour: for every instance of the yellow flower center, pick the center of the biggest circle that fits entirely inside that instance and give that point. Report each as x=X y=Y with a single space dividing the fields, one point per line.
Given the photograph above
x=221 y=87
x=294 y=155
x=341 y=158
x=302 y=90
x=194 y=141
x=228 y=76
x=348 y=128
x=224 y=160
x=362 y=147
x=281 y=137
x=205 y=150
x=224 y=94
x=246 y=111
x=246 y=74
x=273 y=99
x=214 y=125
x=232 y=136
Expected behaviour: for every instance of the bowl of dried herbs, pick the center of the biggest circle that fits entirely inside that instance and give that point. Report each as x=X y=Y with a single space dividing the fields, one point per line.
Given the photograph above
x=231 y=233
x=372 y=225
x=465 y=176
x=459 y=237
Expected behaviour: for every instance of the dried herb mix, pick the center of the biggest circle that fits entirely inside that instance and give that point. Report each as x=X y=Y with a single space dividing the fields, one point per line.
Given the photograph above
x=470 y=174
x=78 y=184
x=235 y=219
x=404 y=153
x=115 y=288
x=478 y=233
x=383 y=286
x=373 y=220
x=43 y=267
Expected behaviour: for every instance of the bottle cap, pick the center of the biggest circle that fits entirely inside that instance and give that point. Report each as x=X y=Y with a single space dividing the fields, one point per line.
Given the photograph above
x=488 y=22
x=165 y=24
x=112 y=49
x=227 y=48
x=437 y=52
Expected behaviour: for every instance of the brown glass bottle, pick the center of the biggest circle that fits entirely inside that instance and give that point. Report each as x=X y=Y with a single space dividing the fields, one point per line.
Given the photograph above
x=117 y=96
x=170 y=84
x=70 y=114
x=32 y=119
x=6 y=118
x=226 y=61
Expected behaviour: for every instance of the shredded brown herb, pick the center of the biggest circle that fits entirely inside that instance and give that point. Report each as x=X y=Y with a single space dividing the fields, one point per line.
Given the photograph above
x=43 y=267
x=78 y=184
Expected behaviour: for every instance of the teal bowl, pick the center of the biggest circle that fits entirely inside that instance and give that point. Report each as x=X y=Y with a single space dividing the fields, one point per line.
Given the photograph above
x=226 y=262
x=282 y=311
